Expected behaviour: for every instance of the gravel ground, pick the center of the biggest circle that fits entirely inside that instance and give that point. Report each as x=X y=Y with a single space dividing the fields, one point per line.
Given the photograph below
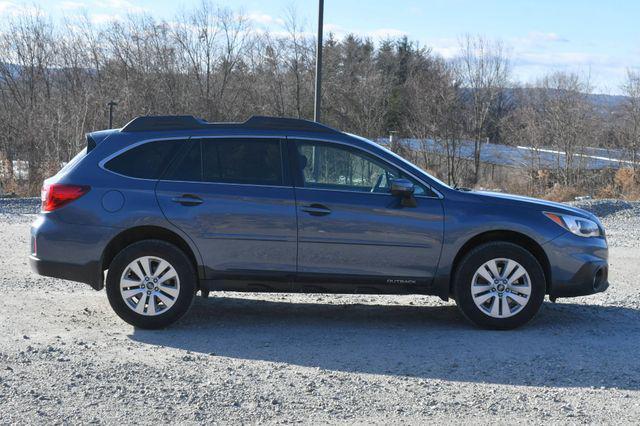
x=620 y=218
x=280 y=358
x=18 y=210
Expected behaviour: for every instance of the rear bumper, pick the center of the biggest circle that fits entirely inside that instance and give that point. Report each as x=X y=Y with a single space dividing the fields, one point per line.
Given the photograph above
x=89 y=273
x=68 y=251
x=579 y=266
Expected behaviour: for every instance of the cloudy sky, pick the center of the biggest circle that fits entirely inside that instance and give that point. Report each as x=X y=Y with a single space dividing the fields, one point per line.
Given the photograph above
x=598 y=38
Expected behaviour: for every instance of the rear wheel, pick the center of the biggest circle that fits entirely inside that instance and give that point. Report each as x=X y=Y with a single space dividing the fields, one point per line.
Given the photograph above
x=151 y=284
x=499 y=285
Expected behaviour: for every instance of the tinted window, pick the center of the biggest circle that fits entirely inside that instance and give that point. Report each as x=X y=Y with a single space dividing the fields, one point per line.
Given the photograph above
x=249 y=161
x=256 y=161
x=189 y=167
x=147 y=161
x=334 y=167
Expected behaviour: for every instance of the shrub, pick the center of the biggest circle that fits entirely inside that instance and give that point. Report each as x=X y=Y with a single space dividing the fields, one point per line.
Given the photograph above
x=562 y=193
x=627 y=182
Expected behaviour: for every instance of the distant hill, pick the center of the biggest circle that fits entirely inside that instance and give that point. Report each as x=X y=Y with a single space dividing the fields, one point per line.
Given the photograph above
x=607 y=101
x=601 y=101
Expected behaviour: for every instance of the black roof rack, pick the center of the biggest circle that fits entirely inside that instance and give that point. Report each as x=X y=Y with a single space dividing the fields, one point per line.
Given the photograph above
x=189 y=122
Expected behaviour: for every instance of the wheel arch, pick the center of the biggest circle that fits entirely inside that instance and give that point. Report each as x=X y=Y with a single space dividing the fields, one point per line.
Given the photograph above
x=513 y=237
x=146 y=232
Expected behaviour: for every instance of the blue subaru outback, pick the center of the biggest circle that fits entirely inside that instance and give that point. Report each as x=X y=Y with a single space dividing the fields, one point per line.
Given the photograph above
x=168 y=206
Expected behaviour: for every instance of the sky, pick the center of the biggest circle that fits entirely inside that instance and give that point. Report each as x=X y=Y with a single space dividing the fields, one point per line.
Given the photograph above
x=599 y=39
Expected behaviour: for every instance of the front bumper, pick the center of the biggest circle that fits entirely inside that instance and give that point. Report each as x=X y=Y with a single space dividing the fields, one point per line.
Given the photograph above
x=579 y=265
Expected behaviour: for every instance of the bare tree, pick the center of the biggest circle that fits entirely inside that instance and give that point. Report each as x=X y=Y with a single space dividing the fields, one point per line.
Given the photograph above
x=299 y=62
x=631 y=116
x=57 y=76
x=523 y=127
x=567 y=118
x=483 y=69
x=435 y=113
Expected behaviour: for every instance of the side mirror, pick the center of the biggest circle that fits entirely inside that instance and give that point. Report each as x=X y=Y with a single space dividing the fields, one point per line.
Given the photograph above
x=404 y=188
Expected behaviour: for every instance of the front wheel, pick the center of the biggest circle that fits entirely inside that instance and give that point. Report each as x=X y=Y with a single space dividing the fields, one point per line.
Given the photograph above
x=499 y=285
x=151 y=284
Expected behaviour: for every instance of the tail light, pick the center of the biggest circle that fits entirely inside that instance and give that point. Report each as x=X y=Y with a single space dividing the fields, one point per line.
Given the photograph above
x=56 y=195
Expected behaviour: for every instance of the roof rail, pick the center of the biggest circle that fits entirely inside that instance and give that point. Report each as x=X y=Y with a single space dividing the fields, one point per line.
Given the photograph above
x=164 y=122
x=157 y=123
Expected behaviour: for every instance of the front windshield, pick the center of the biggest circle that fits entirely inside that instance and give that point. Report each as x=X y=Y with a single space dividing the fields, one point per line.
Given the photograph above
x=388 y=151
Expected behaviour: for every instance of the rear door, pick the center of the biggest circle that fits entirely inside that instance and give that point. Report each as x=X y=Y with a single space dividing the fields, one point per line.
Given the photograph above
x=352 y=230
x=234 y=198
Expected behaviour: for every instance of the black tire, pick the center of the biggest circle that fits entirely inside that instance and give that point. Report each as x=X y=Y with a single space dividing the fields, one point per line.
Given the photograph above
x=185 y=272
x=473 y=260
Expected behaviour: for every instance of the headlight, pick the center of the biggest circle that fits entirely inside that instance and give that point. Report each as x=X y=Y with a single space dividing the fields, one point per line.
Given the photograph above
x=576 y=225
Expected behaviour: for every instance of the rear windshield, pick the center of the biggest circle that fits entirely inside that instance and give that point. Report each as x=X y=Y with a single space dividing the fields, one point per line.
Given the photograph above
x=75 y=160
x=145 y=161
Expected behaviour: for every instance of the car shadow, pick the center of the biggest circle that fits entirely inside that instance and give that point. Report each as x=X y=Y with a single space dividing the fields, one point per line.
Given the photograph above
x=567 y=345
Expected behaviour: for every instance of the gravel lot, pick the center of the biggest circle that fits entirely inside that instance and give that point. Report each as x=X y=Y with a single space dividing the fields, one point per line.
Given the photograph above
x=278 y=358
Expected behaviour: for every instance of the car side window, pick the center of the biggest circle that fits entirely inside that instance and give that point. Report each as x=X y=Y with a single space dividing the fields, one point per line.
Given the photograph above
x=145 y=161
x=189 y=167
x=233 y=160
x=330 y=166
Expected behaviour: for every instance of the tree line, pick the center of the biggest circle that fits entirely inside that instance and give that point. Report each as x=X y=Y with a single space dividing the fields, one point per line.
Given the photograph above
x=56 y=78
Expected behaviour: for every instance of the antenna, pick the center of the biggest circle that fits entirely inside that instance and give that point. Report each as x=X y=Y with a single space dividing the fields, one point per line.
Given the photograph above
x=111 y=105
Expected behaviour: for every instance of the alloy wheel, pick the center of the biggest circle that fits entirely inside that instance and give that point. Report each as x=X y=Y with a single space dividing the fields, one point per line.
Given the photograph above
x=149 y=285
x=501 y=288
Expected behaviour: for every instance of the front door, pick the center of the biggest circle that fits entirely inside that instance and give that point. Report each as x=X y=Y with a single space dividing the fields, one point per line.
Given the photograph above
x=352 y=230
x=232 y=196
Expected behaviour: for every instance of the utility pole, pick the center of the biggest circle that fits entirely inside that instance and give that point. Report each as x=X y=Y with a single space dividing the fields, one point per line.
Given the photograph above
x=111 y=105
x=318 y=94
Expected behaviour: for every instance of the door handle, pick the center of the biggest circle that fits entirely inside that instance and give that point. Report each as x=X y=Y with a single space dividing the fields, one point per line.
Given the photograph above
x=316 y=209
x=187 y=200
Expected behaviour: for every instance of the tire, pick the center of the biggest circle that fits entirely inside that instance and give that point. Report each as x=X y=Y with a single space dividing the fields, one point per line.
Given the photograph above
x=477 y=287
x=166 y=300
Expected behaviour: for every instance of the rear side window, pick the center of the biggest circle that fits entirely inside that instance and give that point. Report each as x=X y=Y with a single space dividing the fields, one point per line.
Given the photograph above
x=146 y=161
x=189 y=167
x=247 y=161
